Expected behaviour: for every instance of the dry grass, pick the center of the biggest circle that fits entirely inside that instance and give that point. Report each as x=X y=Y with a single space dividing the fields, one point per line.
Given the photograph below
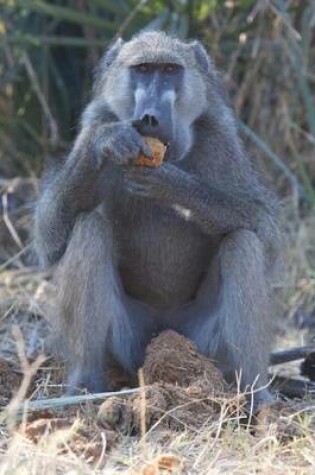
x=217 y=447
x=75 y=441
x=271 y=92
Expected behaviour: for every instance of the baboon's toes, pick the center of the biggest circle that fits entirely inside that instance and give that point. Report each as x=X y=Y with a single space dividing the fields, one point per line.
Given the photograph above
x=89 y=380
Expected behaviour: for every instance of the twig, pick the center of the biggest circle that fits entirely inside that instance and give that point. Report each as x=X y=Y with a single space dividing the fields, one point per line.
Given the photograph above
x=54 y=403
x=285 y=356
x=8 y=222
x=54 y=134
x=293 y=388
x=40 y=40
x=29 y=370
x=15 y=257
x=129 y=18
x=142 y=405
x=274 y=157
x=89 y=33
x=284 y=17
x=258 y=7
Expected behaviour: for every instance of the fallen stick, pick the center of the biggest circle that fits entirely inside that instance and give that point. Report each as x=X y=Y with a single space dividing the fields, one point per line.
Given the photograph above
x=288 y=387
x=293 y=388
x=293 y=354
x=54 y=403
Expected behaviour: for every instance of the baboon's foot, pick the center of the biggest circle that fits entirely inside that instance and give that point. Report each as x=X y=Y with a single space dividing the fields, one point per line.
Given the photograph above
x=93 y=381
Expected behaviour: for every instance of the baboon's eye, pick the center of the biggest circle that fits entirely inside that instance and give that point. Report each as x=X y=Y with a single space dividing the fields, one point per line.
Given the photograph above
x=171 y=68
x=143 y=68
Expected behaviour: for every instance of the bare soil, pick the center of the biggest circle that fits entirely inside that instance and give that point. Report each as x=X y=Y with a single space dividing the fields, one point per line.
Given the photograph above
x=184 y=391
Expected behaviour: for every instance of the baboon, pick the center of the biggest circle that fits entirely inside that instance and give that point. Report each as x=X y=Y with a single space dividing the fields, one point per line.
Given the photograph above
x=188 y=246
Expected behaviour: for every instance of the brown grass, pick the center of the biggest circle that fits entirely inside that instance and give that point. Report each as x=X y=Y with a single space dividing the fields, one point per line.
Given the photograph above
x=264 y=84
x=76 y=441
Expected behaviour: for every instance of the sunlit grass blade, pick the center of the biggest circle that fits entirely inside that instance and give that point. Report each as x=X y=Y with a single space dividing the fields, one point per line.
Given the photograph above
x=39 y=41
x=120 y=7
x=264 y=147
x=67 y=14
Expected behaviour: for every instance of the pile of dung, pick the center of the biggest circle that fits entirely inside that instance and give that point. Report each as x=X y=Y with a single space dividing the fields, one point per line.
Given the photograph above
x=183 y=389
x=172 y=358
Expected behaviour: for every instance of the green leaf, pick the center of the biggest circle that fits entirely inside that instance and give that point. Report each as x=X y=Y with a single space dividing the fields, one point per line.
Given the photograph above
x=205 y=9
x=67 y=14
x=183 y=27
x=295 y=56
x=40 y=40
x=120 y=7
x=158 y=22
x=309 y=190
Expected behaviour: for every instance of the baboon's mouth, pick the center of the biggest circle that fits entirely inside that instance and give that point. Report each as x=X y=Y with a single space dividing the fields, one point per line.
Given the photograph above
x=147 y=129
x=167 y=151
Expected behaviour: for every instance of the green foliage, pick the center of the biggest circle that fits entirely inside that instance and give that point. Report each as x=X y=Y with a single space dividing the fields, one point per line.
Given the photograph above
x=48 y=49
x=60 y=42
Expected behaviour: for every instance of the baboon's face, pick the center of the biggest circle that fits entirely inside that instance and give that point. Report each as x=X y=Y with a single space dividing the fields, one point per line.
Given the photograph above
x=156 y=88
x=164 y=93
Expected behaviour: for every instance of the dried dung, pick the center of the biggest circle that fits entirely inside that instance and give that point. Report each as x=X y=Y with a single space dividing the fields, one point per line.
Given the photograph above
x=185 y=389
x=171 y=358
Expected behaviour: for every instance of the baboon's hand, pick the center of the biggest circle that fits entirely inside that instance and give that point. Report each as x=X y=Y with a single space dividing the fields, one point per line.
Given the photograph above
x=119 y=143
x=164 y=184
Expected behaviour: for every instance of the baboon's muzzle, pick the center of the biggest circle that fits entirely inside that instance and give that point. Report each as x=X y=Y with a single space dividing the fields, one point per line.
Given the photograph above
x=154 y=117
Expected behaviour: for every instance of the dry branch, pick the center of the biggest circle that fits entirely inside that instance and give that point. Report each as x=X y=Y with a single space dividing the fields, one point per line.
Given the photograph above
x=293 y=354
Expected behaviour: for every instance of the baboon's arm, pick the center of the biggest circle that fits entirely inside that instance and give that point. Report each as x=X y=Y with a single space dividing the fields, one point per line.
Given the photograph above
x=74 y=187
x=65 y=194
x=214 y=210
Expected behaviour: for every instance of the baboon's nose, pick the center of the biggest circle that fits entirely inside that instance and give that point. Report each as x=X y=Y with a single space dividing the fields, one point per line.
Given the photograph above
x=150 y=120
x=150 y=125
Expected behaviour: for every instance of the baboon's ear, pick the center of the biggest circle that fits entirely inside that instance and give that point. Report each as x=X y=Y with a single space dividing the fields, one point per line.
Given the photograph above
x=202 y=56
x=108 y=58
x=112 y=53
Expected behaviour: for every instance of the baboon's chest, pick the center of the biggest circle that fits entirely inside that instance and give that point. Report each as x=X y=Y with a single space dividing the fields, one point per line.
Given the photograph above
x=162 y=257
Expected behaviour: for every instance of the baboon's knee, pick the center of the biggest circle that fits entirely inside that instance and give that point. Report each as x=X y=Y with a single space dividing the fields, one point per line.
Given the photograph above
x=80 y=277
x=90 y=244
x=242 y=250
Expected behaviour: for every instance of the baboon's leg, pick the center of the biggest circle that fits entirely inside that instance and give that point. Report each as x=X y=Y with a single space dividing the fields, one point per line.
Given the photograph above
x=89 y=300
x=234 y=328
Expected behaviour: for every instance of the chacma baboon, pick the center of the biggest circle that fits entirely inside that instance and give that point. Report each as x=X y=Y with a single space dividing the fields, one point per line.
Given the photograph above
x=187 y=246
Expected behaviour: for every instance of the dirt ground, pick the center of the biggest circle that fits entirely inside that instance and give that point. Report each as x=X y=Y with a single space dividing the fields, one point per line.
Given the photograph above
x=183 y=393
x=186 y=419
